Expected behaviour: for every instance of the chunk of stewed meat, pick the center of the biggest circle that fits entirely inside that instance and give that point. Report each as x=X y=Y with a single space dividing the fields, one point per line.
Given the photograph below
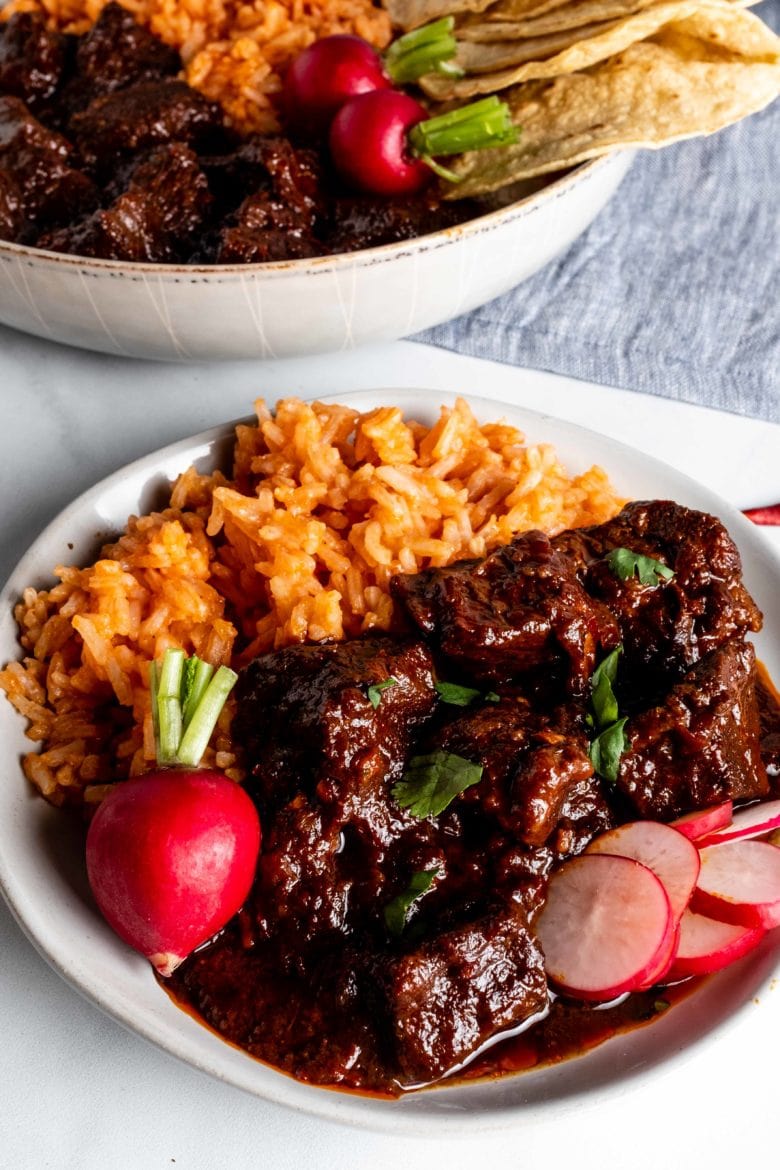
x=279 y=220
x=117 y=52
x=141 y=116
x=52 y=190
x=301 y=894
x=531 y=761
x=453 y=993
x=164 y=205
x=357 y=223
x=520 y=610
x=32 y=58
x=701 y=745
x=666 y=628
x=266 y=229
x=11 y=208
x=308 y=722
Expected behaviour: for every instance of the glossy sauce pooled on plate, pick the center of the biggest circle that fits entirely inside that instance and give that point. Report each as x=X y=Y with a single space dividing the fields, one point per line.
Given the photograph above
x=417 y=789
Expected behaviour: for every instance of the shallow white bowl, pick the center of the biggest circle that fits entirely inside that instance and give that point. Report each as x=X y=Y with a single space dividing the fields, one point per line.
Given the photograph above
x=180 y=312
x=41 y=852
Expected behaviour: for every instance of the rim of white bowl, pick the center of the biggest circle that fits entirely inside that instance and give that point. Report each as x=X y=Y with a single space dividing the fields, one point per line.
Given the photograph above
x=363 y=257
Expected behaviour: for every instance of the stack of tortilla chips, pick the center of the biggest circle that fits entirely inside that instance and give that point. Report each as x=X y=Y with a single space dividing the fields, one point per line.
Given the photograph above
x=583 y=77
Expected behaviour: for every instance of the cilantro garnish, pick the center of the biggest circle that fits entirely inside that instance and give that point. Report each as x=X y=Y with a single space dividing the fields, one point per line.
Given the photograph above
x=397 y=911
x=607 y=748
x=374 y=692
x=661 y=1005
x=602 y=694
x=626 y=564
x=459 y=696
x=431 y=783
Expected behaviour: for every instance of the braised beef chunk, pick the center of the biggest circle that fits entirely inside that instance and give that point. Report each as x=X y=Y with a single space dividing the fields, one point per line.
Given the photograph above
x=11 y=212
x=142 y=116
x=265 y=229
x=32 y=58
x=368 y=223
x=519 y=610
x=531 y=762
x=165 y=203
x=302 y=892
x=668 y=627
x=454 y=992
x=117 y=52
x=52 y=190
x=700 y=746
x=279 y=221
x=308 y=723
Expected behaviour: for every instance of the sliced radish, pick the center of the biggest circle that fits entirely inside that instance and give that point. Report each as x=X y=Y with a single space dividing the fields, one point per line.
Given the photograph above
x=704 y=821
x=605 y=927
x=707 y=945
x=740 y=883
x=753 y=821
x=664 y=963
x=672 y=857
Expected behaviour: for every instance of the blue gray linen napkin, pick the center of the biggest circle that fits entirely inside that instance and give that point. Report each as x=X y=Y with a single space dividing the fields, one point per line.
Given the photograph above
x=673 y=290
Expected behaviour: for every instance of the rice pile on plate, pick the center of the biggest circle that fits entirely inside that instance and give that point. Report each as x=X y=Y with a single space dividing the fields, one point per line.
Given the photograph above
x=234 y=51
x=325 y=504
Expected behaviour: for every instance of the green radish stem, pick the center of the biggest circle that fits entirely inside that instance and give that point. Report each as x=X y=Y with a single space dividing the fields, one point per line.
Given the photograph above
x=425 y=50
x=476 y=126
x=187 y=698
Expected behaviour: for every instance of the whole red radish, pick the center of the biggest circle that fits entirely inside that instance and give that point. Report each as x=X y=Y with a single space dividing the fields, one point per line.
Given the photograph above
x=327 y=74
x=368 y=143
x=171 y=857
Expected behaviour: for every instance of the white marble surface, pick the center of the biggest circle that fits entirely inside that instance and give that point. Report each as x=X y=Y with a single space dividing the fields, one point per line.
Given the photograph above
x=76 y=1091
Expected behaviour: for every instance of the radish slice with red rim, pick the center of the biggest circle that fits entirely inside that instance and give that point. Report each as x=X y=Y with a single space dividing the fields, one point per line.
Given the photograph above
x=740 y=883
x=753 y=821
x=672 y=857
x=605 y=927
x=707 y=945
x=664 y=963
x=704 y=821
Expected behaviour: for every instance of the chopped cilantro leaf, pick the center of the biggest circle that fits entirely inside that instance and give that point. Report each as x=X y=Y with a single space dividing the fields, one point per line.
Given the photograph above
x=456 y=695
x=432 y=782
x=459 y=696
x=607 y=748
x=661 y=1005
x=397 y=911
x=374 y=692
x=602 y=695
x=625 y=564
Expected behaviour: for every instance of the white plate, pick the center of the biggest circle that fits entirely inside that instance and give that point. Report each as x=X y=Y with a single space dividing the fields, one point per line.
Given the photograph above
x=41 y=866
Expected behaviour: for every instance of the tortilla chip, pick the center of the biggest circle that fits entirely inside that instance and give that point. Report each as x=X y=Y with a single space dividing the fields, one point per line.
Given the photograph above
x=695 y=76
x=581 y=55
x=486 y=27
x=409 y=14
x=492 y=58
